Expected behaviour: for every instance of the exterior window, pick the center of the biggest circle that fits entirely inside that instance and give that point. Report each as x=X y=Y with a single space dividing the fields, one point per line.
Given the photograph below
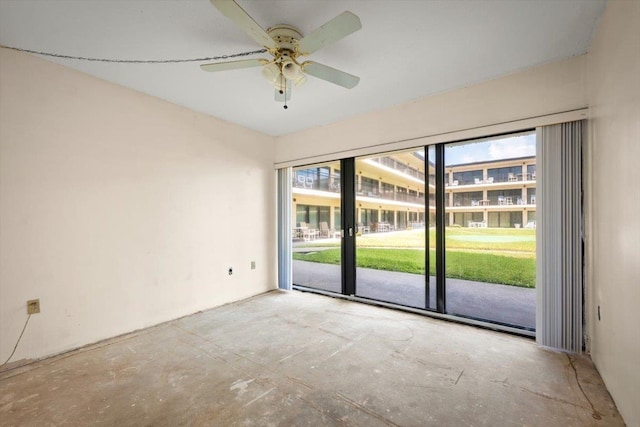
x=531 y=194
x=463 y=218
x=368 y=186
x=512 y=173
x=467 y=177
x=505 y=219
x=504 y=197
x=531 y=171
x=387 y=216
x=471 y=198
x=312 y=216
x=369 y=216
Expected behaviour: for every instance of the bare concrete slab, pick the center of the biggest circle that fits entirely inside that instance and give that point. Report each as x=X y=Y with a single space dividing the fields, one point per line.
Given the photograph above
x=294 y=359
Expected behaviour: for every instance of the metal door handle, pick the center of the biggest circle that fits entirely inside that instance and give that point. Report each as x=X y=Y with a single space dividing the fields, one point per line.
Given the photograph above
x=350 y=231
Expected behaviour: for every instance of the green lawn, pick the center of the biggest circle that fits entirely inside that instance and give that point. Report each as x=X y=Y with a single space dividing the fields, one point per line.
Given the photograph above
x=480 y=239
x=492 y=255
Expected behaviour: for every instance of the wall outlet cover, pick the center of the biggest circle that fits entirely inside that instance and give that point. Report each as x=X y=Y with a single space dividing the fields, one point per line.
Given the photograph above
x=33 y=306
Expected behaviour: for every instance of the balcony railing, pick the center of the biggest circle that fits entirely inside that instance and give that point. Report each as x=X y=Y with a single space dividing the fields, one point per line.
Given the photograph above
x=494 y=201
x=390 y=195
x=330 y=183
x=400 y=167
x=493 y=180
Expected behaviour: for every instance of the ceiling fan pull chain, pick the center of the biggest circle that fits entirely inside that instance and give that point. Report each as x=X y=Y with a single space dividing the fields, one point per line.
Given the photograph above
x=285 y=94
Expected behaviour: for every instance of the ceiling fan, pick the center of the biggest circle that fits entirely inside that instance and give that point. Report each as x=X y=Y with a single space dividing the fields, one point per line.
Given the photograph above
x=287 y=45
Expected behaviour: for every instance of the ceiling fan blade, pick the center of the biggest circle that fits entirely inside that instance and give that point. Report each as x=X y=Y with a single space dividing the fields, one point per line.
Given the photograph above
x=280 y=97
x=233 y=65
x=242 y=19
x=334 y=30
x=329 y=74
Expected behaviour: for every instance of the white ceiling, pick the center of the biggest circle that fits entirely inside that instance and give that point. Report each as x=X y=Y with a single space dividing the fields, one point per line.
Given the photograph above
x=405 y=50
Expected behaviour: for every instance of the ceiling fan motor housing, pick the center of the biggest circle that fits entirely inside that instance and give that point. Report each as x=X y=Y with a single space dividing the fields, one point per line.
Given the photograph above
x=285 y=36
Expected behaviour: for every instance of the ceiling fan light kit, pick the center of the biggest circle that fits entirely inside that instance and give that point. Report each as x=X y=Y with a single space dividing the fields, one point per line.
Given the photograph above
x=286 y=45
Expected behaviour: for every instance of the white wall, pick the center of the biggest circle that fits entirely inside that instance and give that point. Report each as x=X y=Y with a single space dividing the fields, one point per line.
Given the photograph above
x=613 y=275
x=547 y=89
x=119 y=210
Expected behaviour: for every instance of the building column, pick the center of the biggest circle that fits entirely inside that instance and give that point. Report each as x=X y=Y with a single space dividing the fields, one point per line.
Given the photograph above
x=332 y=225
x=294 y=209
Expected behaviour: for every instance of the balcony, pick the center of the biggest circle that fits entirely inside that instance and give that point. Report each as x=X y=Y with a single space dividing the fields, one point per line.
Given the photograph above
x=399 y=167
x=390 y=195
x=328 y=183
x=501 y=202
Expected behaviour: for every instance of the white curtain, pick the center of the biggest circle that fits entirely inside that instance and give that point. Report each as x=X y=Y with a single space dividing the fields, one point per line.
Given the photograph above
x=559 y=270
x=285 y=279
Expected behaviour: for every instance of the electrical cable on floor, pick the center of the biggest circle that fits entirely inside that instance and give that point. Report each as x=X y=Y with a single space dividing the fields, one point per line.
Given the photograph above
x=17 y=342
x=136 y=61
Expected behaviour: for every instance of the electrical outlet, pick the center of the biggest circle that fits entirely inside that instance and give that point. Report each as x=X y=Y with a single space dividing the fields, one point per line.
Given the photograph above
x=253 y=265
x=230 y=271
x=33 y=306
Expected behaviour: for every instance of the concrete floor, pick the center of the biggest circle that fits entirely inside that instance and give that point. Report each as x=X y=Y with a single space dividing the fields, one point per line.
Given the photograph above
x=293 y=359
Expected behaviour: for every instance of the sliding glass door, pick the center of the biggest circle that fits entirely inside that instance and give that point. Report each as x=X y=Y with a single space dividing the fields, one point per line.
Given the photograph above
x=392 y=224
x=317 y=226
x=490 y=229
x=448 y=228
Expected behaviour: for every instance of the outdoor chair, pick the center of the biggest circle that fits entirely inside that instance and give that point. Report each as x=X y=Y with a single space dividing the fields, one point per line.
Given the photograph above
x=309 y=234
x=501 y=200
x=512 y=177
x=477 y=181
x=324 y=230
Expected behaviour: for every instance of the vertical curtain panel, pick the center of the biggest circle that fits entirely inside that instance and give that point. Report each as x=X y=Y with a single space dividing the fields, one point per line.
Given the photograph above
x=285 y=278
x=559 y=272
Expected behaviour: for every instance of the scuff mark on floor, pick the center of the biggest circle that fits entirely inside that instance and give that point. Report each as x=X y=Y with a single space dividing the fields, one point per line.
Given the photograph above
x=259 y=397
x=343 y=348
x=241 y=386
x=290 y=356
x=366 y=410
x=459 y=376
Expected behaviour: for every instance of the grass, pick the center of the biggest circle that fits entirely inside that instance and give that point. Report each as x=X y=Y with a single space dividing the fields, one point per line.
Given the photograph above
x=492 y=255
x=481 y=267
x=495 y=240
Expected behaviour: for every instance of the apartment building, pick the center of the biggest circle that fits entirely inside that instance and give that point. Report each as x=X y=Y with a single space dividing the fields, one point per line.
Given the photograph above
x=390 y=194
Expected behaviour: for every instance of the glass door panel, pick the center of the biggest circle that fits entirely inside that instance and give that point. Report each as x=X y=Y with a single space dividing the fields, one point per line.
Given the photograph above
x=391 y=227
x=490 y=243
x=431 y=228
x=317 y=227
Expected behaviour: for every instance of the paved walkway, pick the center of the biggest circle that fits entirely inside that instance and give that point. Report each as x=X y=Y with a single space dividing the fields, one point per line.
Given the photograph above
x=498 y=303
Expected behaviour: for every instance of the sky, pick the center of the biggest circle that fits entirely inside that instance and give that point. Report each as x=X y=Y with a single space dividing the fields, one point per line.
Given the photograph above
x=492 y=149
